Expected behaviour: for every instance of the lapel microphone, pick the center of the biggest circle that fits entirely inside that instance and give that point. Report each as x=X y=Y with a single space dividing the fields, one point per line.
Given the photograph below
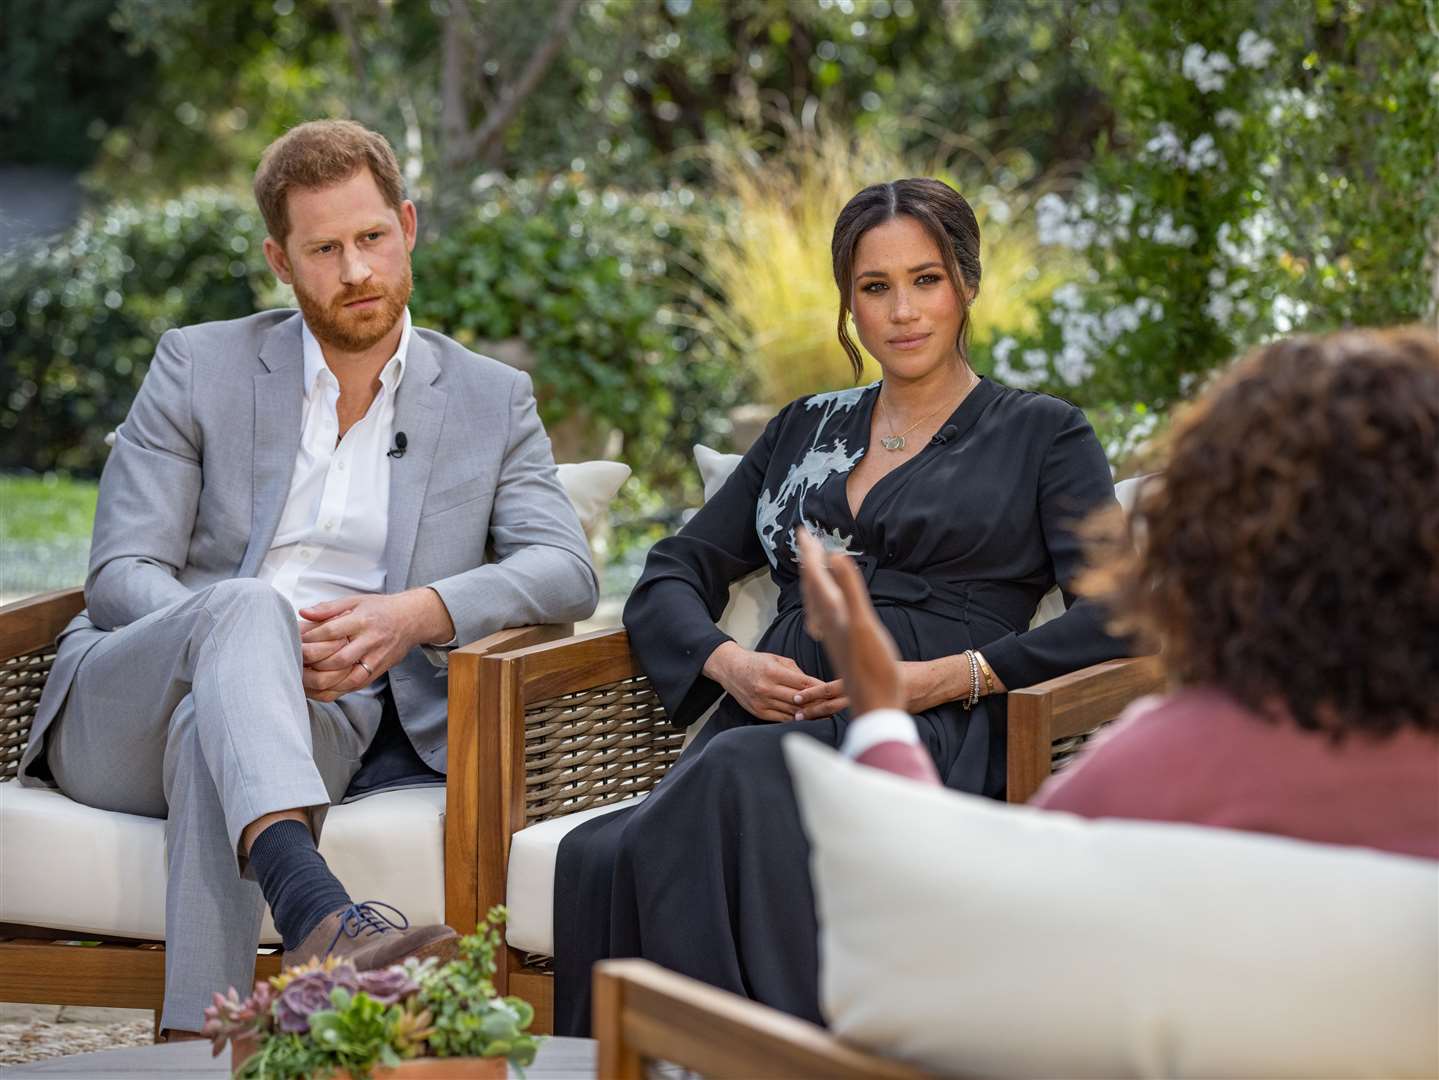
x=944 y=434
x=398 y=450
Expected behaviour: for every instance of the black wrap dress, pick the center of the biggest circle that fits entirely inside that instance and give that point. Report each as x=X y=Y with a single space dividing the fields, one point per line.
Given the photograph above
x=709 y=876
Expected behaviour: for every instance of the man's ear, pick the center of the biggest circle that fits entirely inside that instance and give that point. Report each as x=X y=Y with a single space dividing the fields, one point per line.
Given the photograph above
x=409 y=223
x=279 y=261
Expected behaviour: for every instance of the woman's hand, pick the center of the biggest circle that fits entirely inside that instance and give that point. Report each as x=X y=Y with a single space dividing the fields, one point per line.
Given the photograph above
x=764 y=684
x=923 y=685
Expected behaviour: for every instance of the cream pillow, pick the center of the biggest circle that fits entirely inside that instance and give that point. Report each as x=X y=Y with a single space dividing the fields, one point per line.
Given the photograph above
x=753 y=599
x=1008 y=941
x=591 y=485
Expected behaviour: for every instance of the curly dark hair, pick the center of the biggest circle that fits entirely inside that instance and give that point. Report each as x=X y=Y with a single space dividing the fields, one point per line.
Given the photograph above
x=1289 y=551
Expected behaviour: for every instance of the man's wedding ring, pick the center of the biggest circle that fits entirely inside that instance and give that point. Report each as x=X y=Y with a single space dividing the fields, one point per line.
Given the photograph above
x=366 y=667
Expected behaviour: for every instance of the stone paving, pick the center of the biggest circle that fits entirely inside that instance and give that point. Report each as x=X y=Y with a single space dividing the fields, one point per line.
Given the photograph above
x=38 y=1032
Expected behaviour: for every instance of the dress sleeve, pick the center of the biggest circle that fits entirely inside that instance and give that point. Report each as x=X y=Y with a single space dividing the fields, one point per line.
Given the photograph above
x=1074 y=481
x=684 y=588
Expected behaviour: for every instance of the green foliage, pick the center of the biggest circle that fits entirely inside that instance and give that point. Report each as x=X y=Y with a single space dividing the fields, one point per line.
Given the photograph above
x=79 y=317
x=230 y=75
x=356 y=1032
x=283 y=1057
x=1273 y=168
x=1160 y=218
x=638 y=87
x=594 y=283
x=468 y=1019
x=37 y=508
x=1356 y=178
x=598 y=287
x=62 y=68
x=432 y=1011
x=44 y=532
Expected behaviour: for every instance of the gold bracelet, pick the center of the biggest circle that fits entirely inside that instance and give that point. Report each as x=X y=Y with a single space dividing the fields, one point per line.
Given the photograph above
x=986 y=670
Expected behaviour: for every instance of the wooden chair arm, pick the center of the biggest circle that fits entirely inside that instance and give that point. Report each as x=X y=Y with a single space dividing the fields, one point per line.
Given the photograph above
x=1070 y=705
x=33 y=624
x=642 y=1011
x=572 y=664
x=628 y=748
x=472 y=776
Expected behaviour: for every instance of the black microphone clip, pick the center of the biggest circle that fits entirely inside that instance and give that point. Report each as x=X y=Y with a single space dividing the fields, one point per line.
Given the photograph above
x=398 y=450
x=944 y=434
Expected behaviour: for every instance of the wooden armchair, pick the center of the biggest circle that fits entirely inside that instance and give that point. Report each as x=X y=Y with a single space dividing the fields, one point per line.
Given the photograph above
x=45 y=965
x=572 y=725
x=645 y=1014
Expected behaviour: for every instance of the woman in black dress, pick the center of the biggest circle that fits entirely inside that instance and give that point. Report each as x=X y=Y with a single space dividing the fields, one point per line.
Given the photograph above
x=957 y=497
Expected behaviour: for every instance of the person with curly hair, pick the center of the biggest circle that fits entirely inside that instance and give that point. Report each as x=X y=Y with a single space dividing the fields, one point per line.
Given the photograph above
x=1286 y=565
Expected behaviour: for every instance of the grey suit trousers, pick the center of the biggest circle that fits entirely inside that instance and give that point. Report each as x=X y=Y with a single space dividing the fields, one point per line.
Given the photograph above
x=196 y=714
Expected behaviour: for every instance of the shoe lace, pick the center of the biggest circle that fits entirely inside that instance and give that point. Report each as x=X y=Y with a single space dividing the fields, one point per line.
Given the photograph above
x=366 y=918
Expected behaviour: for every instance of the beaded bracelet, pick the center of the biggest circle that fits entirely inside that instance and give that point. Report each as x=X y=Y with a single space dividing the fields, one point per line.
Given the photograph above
x=973 y=699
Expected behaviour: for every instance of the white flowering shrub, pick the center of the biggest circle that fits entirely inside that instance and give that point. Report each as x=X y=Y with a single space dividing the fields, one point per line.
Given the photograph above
x=1274 y=167
x=1164 y=217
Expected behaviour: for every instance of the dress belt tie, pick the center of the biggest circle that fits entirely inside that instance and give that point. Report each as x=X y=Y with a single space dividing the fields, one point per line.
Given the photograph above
x=1009 y=602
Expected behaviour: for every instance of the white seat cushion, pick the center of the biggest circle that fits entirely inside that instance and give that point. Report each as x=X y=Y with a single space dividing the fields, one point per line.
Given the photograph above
x=1008 y=941
x=530 y=889
x=70 y=867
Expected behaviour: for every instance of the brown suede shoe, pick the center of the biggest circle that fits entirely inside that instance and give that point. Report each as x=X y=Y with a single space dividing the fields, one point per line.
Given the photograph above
x=367 y=939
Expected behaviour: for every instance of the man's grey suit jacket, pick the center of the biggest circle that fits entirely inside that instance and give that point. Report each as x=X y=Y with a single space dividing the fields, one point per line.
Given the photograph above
x=194 y=487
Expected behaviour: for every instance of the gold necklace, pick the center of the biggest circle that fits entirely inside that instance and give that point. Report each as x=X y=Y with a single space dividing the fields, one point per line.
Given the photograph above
x=896 y=442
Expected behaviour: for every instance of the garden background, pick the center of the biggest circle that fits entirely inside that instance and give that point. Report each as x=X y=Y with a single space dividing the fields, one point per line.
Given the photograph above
x=633 y=199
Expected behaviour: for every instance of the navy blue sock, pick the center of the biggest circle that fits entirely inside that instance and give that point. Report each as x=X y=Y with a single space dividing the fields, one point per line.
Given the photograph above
x=295 y=880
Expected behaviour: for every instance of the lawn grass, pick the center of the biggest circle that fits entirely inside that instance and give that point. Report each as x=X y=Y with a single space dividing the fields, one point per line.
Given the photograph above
x=44 y=532
x=40 y=509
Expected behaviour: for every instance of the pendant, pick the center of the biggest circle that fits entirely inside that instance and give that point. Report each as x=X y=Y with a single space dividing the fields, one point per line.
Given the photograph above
x=892 y=442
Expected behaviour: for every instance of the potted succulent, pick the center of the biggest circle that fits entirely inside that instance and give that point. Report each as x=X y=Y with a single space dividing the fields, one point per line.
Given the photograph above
x=419 y=1019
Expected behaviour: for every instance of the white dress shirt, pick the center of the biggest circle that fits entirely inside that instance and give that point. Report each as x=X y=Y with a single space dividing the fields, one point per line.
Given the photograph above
x=331 y=538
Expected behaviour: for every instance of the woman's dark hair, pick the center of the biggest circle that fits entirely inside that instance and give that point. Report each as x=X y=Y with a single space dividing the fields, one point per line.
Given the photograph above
x=945 y=216
x=1289 y=551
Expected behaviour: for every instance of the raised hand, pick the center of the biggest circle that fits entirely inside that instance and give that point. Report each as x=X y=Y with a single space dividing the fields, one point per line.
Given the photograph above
x=838 y=614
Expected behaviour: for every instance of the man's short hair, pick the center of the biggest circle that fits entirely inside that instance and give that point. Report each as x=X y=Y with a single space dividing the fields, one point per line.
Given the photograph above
x=320 y=154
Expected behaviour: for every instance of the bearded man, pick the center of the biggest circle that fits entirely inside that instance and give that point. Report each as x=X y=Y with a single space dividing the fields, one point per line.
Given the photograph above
x=292 y=530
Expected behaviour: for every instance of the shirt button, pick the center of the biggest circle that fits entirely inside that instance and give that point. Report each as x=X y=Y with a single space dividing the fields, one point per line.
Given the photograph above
x=340 y=465
x=329 y=525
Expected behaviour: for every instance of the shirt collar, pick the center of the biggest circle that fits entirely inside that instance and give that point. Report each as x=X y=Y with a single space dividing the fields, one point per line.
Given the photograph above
x=390 y=374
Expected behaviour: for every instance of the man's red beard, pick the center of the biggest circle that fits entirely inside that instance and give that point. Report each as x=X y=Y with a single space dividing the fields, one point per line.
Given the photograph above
x=355 y=331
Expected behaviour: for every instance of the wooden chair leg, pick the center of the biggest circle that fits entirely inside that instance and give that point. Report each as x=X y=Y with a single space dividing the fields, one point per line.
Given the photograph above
x=617 y=1058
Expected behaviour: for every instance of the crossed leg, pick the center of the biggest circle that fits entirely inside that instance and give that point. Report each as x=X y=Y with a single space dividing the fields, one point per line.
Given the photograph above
x=196 y=714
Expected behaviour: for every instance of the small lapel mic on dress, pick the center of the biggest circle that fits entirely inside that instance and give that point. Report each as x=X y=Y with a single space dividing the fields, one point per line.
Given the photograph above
x=398 y=450
x=944 y=434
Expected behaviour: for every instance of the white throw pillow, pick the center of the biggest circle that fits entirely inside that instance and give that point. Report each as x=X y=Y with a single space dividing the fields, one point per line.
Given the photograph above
x=591 y=485
x=754 y=598
x=971 y=937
